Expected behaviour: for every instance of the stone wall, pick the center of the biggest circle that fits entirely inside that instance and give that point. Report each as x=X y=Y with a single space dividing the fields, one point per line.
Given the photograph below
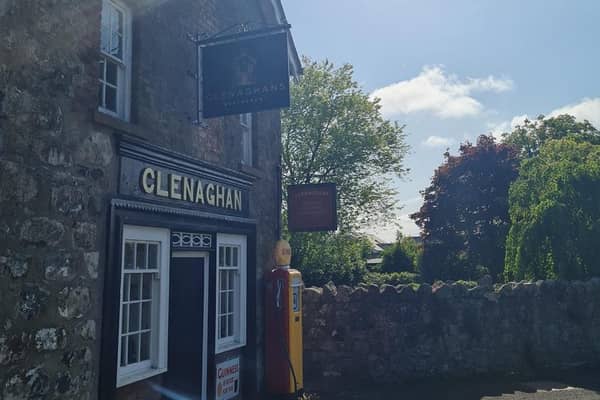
x=58 y=170
x=392 y=334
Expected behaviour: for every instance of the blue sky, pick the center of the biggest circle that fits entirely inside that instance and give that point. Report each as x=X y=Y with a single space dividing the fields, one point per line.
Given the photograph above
x=451 y=70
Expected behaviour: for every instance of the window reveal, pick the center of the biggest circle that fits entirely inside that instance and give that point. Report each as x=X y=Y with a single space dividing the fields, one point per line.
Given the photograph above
x=231 y=292
x=143 y=303
x=115 y=59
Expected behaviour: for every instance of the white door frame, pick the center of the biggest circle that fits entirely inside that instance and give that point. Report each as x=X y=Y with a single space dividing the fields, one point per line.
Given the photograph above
x=204 y=255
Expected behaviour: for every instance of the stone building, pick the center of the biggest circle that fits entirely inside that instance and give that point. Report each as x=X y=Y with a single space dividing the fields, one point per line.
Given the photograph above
x=132 y=241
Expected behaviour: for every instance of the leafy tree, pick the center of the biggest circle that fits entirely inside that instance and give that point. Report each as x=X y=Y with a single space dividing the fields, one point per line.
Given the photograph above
x=324 y=257
x=334 y=132
x=464 y=219
x=555 y=214
x=402 y=256
x=531 y=135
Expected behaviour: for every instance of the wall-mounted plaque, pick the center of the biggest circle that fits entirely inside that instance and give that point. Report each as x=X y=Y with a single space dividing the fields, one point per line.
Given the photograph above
x=312 y=207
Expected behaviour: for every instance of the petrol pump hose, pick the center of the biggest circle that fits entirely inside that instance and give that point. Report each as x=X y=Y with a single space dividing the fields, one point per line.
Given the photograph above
x=282 y=339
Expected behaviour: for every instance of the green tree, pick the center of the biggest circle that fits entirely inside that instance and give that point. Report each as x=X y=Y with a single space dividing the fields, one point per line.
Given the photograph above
x=531 y=135
x=555 y=214
x=402 y=256
x=464 y=218
x=324 y=257
x=334 y=132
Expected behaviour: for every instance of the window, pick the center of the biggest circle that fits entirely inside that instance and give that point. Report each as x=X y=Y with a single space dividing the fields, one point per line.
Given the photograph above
x=231 y=292
x=143 y=313
x=115 y=59
x=246 y=123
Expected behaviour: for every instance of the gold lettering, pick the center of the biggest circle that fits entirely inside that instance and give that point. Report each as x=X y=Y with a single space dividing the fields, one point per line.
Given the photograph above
x=147 y=173
x=220 y=196
x=238 y=200
x=188 y=189
x=210 y=194
x=199 y=193
x=175 y=187
x=159 y=190
x=229 y=202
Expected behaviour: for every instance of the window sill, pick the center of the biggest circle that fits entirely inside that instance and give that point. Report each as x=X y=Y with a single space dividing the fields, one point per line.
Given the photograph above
x=255 y=172
x=118 y=124
x=222 y=348
x=138 y=376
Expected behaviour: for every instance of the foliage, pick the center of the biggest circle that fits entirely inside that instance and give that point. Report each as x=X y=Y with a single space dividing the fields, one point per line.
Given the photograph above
x=555 y=214
x=529 y=137
x=402 y=256
x=464 y=219
x=324 y=257
x=334 y=132
x=393 y=278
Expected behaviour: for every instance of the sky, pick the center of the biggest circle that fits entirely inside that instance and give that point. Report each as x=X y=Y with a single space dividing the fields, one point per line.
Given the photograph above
x=452 y=70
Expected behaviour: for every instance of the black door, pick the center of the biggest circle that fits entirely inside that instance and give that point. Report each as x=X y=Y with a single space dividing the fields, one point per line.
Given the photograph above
x=186 y=309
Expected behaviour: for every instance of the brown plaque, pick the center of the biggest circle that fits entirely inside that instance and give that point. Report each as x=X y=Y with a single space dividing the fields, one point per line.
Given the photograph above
x=312 y=207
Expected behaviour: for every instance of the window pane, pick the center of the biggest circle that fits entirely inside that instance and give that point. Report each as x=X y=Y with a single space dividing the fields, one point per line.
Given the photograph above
x=140 y=255
x=223 y=326
x=230 y=303
x=129 y=255
x=123 y=351
x=153 y=256
x=223 y=301
x=134 y=286
x=230 y=325
x=145 y=346
x=227 y=256
x=133 y=342
x=105 y=30
x=126 y=287
x=146 y=307
x=235 y=257
x=221 y=256
x=147 y=286
x=111 y=99
x=111 y=73
x=124 y=318
x=223 y=279
x=117 y=45
x=134 y=317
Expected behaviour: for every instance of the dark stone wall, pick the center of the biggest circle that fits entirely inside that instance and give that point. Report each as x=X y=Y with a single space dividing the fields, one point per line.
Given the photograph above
x=393 y=334
x=58 y=170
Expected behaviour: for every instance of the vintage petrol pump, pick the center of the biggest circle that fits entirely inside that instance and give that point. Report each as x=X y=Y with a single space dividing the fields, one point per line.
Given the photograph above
x=284 y=326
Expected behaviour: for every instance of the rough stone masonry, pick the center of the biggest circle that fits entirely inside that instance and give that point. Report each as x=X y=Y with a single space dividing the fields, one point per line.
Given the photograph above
x=392 y=334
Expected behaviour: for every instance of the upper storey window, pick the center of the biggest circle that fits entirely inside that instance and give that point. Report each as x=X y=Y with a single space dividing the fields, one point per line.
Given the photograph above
x=115 y=61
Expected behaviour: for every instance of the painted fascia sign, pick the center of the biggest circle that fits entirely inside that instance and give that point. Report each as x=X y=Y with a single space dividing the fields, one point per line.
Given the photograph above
x=312 y=207
x=247 y=74
x=228 y=379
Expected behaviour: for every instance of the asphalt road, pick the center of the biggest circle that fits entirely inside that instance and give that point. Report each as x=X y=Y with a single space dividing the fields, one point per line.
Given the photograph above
x=576 y=386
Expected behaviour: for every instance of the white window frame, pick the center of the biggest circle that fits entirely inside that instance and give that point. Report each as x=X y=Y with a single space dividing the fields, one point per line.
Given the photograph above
x=123 y=98
x=246 y=122
x=160 y=312
x=239 y=335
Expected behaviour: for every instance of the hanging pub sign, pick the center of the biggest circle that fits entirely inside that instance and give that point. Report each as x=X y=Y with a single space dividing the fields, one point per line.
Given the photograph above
x=246 y=74
x=312 y=207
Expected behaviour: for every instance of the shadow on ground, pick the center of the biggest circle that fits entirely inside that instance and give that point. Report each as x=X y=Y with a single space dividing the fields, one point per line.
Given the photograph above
x=576 y=385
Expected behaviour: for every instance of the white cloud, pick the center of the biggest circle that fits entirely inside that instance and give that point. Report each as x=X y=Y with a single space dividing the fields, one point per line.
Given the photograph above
x=438 y=141
x=433 y=90
x=586 y=109
x=497 y=129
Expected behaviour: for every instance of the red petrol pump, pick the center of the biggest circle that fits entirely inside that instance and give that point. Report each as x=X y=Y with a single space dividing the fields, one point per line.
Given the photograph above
x=284 y=375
